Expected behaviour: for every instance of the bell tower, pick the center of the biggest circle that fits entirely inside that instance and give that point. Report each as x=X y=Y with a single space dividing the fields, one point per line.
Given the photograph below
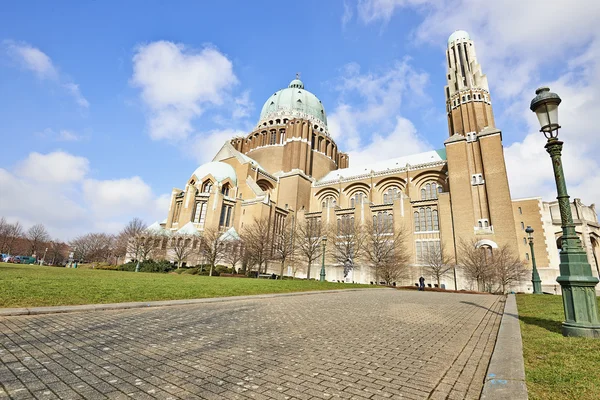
x=468 y=101
x=481 y=203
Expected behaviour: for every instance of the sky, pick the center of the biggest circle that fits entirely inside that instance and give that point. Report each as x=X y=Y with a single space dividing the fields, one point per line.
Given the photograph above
x=106 y=106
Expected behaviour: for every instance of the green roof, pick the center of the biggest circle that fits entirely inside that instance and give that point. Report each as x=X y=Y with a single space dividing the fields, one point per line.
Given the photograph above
x=442 y=154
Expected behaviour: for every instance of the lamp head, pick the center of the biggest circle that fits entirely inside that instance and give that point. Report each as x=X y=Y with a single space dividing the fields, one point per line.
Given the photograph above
x=529 y=231
x=545 y=106
x=324 y=240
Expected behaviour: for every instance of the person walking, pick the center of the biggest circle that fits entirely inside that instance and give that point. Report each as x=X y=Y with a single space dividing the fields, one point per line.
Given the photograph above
x=421 y=284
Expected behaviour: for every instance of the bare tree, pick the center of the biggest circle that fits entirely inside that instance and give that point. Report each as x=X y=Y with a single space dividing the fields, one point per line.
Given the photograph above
x=476 y=263
x=437 y=261
x=93 y=247
x=233 y=252
x=182 y=247
x=347 y=242
x=57 y=252
x=212 y=247
x=386 y=251
x=9 y=234
x=257 y=242
x=37 y=236
x=508 y=269
x=284 y=244
x=309 y=233
x=134 y=241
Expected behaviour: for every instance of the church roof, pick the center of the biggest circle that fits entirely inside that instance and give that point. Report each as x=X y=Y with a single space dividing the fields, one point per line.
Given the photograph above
x=386 y=165
x=458 y=35
x=188 y=229
x=157 y=229
x=230 y=235
x=219 y=170
x=294 y=99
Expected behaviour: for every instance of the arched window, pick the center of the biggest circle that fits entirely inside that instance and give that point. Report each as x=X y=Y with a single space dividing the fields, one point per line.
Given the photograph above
x=273 y=137
x=423 y=225
x=430 y=191
x=225 y=189
x=390 y=195
x=357 y=199
x=328 y=201
x=428 y=218
x=436 y=223
x=207 y=186
x=417 y=226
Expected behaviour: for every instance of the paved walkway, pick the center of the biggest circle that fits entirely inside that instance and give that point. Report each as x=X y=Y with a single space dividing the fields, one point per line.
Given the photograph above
x=371 y=344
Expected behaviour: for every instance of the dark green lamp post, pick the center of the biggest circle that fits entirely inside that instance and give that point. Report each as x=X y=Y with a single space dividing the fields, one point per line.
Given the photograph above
x=535 y=277
x=322 y=278
x=576 y=279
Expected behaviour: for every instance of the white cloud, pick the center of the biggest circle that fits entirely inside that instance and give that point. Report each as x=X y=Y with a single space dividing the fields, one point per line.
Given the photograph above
x=41 y=64
x=76 y=93
x=57 y=167
x=63 y=135
x=243 y=105
x=54 y=189
x=204 y=146
x=33 y=59
x=403 y=140
x=369 y=111
x=118 y=196
x=348 y=14
x=176 y=82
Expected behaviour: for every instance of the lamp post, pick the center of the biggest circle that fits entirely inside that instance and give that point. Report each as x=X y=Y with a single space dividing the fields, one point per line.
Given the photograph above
x=535 y=277
x=322 y=278
x=576 y=279
x=44 y=257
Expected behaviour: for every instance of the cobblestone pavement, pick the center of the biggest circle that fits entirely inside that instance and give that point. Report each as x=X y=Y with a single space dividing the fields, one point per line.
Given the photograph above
x=371 y=344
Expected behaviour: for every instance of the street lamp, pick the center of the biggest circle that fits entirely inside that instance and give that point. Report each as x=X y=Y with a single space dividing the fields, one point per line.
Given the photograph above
x=535 y=277
x=324 y=241
x=44 y=257
x=576 y=279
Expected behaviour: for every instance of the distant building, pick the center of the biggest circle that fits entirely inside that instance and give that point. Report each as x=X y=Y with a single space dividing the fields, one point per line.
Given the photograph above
x=290 y=167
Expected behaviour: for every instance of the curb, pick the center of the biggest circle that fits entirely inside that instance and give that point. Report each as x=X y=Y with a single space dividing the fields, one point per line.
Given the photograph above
x=12 y=312
x=506 y=373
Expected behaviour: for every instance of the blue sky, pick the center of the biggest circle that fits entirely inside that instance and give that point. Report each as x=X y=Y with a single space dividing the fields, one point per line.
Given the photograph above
x=105 y=106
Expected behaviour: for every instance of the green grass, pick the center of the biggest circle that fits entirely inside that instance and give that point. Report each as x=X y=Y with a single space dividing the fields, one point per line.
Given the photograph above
x=31 y=286
x=556 y=367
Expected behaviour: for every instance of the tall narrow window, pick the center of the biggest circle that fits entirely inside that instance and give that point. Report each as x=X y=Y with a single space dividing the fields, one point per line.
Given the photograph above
x=436 y=223
x=419 y=252
x=206 y=186
x=423 y=194
x=422 y=218
x=202 y=215
x=417 y=226
x=273 y=137
x=196 y=216
x=429 y=220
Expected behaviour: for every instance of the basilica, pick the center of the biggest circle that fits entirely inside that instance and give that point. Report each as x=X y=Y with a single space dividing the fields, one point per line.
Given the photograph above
x=290 y=168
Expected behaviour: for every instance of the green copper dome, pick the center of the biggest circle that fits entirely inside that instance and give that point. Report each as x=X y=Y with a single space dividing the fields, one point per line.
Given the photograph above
x=295 y=102
x=458 y=35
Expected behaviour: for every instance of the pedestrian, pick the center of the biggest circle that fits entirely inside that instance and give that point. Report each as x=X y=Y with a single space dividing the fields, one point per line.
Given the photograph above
x=421 y=283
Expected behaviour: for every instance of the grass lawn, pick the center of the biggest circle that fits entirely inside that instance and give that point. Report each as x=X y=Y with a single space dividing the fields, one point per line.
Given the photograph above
x=556 y=367
x=31 y=285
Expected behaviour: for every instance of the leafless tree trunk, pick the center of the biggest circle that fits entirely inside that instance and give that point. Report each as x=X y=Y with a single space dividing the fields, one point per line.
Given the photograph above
x=437 y=261
x=309 y=234
x=284 y=244
x=476 y=263
x=233 y=252
x=9 y=233
x=257 y=242
x=508 y=269
x=212 y=247
x=37 y=236
x=386 y=251
x=93 y=247
x=133 y=240
x=347 y=242
x=182 y=248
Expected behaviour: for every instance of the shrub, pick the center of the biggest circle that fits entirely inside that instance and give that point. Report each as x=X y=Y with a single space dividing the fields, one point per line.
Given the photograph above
x=161 y=266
